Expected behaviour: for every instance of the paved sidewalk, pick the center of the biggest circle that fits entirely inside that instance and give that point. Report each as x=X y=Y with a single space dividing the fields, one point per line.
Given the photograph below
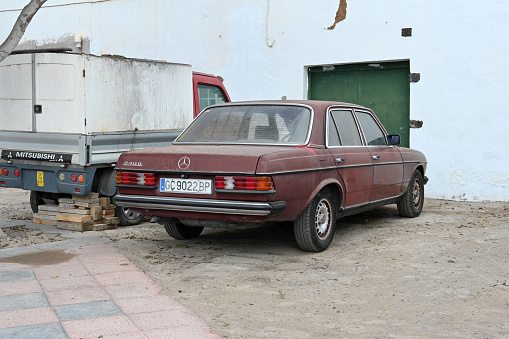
x=89 y=291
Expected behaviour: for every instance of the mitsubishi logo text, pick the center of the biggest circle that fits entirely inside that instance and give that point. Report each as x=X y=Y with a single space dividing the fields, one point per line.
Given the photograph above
x=184 y=163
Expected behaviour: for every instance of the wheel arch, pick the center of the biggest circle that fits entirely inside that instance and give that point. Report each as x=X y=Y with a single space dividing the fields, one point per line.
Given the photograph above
x=334 y=187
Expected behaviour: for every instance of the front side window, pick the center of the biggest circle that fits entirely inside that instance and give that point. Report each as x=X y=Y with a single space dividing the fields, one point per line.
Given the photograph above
x=372 y=132
x=250 y=124
x=210 y=95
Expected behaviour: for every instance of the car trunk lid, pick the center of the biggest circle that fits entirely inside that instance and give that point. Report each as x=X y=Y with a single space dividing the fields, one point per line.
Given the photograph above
x=213 y=159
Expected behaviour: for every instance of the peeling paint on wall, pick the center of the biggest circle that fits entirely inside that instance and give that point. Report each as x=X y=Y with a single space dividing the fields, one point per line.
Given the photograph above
x=65 y=42
x=464 y=177
x=340 y=14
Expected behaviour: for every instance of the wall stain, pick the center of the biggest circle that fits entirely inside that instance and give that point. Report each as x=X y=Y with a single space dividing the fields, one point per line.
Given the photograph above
x=340 y=14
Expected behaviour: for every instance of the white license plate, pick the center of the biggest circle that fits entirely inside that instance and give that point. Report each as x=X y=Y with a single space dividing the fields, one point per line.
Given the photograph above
x=189 y=186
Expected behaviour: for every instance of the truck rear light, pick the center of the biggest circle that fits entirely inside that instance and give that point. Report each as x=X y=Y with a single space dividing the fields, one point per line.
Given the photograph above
x=6 y=172
x=74 y=177
x=81 y=178
x=245 y=183
x=17 y=172
x=133 y=178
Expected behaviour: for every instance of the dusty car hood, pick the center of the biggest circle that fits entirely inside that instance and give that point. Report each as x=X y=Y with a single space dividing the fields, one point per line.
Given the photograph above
x=240 y=159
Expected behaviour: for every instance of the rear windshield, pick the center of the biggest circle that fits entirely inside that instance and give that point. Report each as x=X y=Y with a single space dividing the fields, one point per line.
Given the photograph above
x=256 y=124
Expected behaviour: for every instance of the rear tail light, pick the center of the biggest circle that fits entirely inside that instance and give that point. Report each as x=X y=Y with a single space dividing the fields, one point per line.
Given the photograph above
x=245 y=183
x=17 y=172
x=6 y=172
x=133 y=178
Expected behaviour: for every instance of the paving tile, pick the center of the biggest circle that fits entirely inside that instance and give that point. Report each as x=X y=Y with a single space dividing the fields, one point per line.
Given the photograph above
x=183 y=332
x=19 y=275
x=93 y=249
x=72 y=268
x=164 y=319
x=12 y=267
x=114 y=262
x=21 y=301
x=136 y=290
x=91 y=310
x=52 y=330
x=77 y=296
x=132 y=335
x=19 y=287
x=67 y=282
x=94 y=328
x=148 y=304
x=123 y=278
x=29 y=316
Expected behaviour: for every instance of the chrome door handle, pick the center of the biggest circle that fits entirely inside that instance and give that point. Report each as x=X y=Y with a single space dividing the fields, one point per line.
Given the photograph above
x=339 y=160
x=376 y=157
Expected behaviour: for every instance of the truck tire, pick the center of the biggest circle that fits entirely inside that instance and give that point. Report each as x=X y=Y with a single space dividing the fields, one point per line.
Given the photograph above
x=315 y=227
x=128 y=217
x=35 y=201
x=41 y=198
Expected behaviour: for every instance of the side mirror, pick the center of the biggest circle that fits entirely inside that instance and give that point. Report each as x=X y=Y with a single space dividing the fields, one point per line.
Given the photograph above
x=393 y=139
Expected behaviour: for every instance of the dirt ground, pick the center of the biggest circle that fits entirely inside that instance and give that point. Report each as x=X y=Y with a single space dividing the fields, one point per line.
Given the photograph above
x=443 y=274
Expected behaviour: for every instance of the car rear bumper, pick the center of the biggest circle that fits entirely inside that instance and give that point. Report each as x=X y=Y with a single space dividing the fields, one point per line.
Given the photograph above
x=254 y=208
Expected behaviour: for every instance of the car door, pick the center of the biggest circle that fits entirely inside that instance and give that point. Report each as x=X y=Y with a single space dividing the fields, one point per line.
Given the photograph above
x=387 y=160
x=352 y=159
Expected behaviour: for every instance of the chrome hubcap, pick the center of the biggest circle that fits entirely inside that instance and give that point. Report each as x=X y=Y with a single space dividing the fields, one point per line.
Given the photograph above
x=416 y=193
x=322 y=219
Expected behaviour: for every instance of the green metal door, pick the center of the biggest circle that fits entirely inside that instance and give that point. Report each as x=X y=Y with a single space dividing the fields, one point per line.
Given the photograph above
x=383 y=87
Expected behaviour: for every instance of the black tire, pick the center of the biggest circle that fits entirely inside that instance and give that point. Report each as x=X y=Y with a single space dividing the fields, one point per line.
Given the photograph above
x=315 y=227
x=179 y=231
x=412 y=201
x=35 y=201
x=128 y=217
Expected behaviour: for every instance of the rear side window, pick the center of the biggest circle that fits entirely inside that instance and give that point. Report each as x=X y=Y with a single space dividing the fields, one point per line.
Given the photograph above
x=210 y=95
x=372 y=132
x=344 y=123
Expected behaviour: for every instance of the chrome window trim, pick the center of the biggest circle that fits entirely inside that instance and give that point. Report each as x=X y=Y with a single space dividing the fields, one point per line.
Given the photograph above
x=382 y=128
x=308 y=136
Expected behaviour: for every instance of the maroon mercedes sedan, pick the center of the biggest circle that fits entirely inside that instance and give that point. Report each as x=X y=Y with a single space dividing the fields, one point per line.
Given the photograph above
x=308 y=162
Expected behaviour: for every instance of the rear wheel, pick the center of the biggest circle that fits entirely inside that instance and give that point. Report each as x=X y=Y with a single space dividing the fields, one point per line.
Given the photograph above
x=412 y=201
x=179 y=231
x=42 y=198
x=315 y=227
x=128 y=217
x=35 y=201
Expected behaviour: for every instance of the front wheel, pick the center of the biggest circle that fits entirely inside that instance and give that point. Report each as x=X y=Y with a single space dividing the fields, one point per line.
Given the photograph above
x=315 y=227
x=128 y=217
x=412 y=201
x=178 y=230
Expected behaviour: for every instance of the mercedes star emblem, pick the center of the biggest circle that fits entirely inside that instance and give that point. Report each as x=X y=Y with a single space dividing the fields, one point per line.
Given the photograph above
x=184 y=163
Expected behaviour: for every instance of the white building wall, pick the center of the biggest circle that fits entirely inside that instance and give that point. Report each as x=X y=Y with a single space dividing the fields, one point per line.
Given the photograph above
x=262 y=48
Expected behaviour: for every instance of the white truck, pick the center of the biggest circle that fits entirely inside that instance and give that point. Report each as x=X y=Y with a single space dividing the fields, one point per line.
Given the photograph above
x=66 y=118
